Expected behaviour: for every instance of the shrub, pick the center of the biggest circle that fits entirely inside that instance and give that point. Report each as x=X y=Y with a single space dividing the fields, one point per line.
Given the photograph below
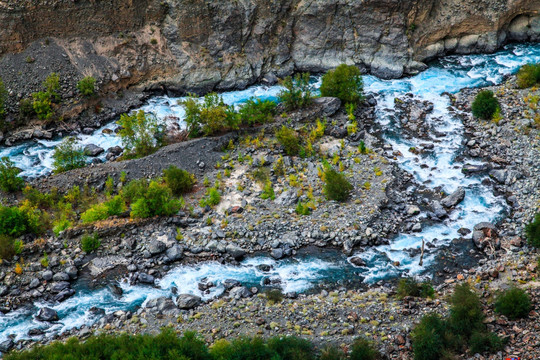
x=35 y=218
x=336 y=185
x=297 y=92
x=26 y=108
x=485 y=105
x=268 y=191
x=90 y=243
x=362 y=349
x=344 y=82
x=157 y=200
x=332 y=353
x=87 y=86
x=211 y=198
x=68 y=156
x=302 y=209
x=42 y=105
x=244 y=348
x=288 y=138
x=532 y=231
x=274 y=295
x=9 y=181
x=292 y=348
x=102 y=211
x=481 y=342
x=257 y=111
x=178 y=180
x=466 y=316
x=51 y=85
x=134 y=189
x=210 y=116
x=7 y=247
x=514 y=303
x=528 y=75
x=60 y=225
x=428 y=338
x=411 y=287
x=140 y=133
x=13 y=221
x=3 y=97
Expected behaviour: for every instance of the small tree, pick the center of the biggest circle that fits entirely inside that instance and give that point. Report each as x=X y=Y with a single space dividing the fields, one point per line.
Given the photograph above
x=514 y=303
x=297 y=92
x=532 y=231
x=485 y=105
x=9 y=181
x=288 y=138
x=141 y=134
x=344 y=82
x=87 y=86
x=210 y=116
x=68 y=156
x=336 y=185
x=257 y=111
x=42 y=105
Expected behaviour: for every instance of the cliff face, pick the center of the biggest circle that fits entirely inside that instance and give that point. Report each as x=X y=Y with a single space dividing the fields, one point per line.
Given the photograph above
x=208 y=44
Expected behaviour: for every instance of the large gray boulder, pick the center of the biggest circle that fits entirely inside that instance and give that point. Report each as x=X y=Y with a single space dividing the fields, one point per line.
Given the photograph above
x=156 y=247
x=93 y=150
x=174 y=253
x=455 y=198
x=187 y=301
x=235 y=251
x=47 y=314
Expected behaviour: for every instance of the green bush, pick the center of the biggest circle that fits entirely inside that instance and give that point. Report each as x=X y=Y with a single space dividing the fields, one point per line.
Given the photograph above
x=528 y=75
x=344 y=82
x=302 y=209
x=211 y=198
x=140 y=133
x=165 y=346
x=466 y=315
x=9 y=181
x=336 y=185
x=210 y=116
x=296 y=93
x=362 y=349
x=102 y=211
x=268 y=191
x=51 y=85
x=60 y=225
x=157 y=201
x=257 y=111
x=481 y=342
x=42 y=105
x=411 y=287
x=13 y=221
x=332 y=353
x=243 y=348
x=274 y=295
x=428 y=338
x=532 y=231
x=178 y=180
x=87 y=86
x=288 y=138
x=485 y=105
x=134 y=189
x=68 y=156
x=513 y=303
x=7 y=247
x=90 y=243
x=3 y=98
x=292 y=348
x=26 y=108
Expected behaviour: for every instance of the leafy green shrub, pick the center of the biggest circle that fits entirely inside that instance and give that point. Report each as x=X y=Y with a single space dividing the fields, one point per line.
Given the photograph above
x=336 y=185
x=68 y=156
x=528 y=75
x=302 y=209
x=274 y=295
x=60 y=225
x=481 y=342
x=178 y=180
x=288 y=138
x=102 y=211
x=428 y=338
x=7 y=247
x=157 y=201
x=532 y=231
x=87 y=86
x=90 y=243
x=332 y=353
x=344 y=82
x=513 y=303
x=362 y=349
x=466 y=315
x=242 y=348
x=42 y=105
x=26 y=108
x=297 y=92
x=292 y=348
x=257 y=111
x=51 y=85
x=411 y=287
x=211 y=198
x=485 y=105
x=140 y=133
x=134 y=190
x=268 y=191
x=9 y=181
x=210 y=116
x=37 y=198
x=13 y=221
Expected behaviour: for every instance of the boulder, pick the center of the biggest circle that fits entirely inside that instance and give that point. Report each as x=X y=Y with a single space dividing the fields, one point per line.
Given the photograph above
x=47 y=314
x=277 y=253
x=240 y=292
x=93 y=150
x=174 y=253
x=455 y=198
x=485 y=235
x=61 y=276
x=145 y=278
x=156 y=247
x=287 y=198
x=230 y=283
x=235 y=251
x=115 y=289
x=72 y=272
x=187 y=301
x=357 y=261
x=6 y=345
